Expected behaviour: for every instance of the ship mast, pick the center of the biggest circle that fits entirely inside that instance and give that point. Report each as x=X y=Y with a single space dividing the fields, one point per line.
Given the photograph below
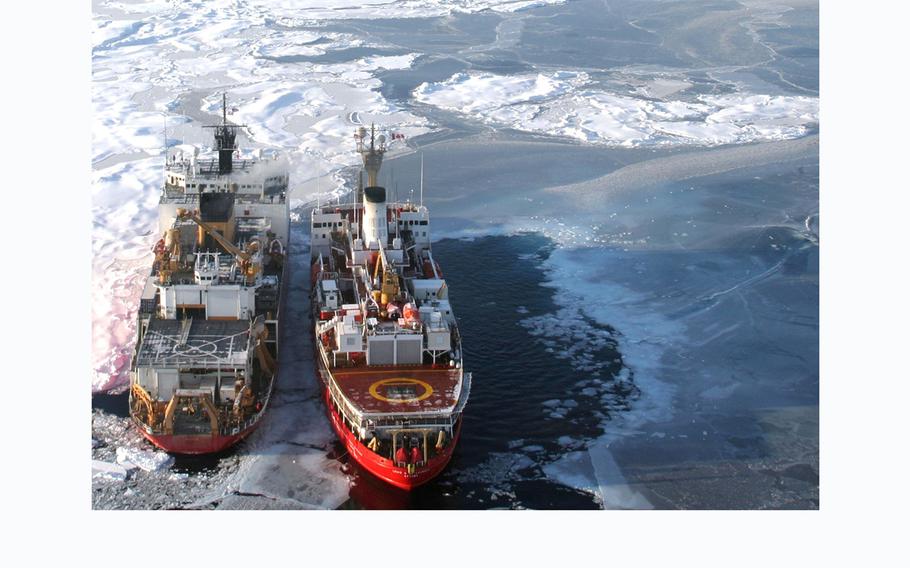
x=371 y=152
x=225 y=140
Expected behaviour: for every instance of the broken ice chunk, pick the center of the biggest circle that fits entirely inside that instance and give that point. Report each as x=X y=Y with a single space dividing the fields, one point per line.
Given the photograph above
x=106 y=470
x=145 y=460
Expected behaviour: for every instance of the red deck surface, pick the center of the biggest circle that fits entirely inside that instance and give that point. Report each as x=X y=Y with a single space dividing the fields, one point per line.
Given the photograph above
x=399 y=389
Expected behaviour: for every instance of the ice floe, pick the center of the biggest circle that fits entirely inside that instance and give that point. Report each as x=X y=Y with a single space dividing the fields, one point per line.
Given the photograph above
x=356 y=9
x=108 y=471
x=497 y=474
x=570 y=104
x=594 y=471
x=143 y=459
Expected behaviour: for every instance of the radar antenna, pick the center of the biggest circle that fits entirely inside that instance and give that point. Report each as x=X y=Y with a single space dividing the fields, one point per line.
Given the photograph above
x=371 y=151
x=225 y=139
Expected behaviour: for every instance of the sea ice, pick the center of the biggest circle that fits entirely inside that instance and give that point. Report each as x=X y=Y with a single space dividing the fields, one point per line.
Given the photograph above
x=569 y=104
x=594 y=471
x=357 y=9
x=108 y=471
x=143 y=459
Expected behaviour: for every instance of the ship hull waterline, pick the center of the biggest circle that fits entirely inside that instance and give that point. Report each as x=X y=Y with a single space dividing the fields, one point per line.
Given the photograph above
x=186 y=444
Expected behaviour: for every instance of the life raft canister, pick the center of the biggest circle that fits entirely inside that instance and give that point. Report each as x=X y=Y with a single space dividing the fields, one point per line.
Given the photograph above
x=410 y=312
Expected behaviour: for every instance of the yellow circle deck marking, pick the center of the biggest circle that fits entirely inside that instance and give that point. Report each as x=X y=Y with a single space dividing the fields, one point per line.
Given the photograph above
x=374 y=390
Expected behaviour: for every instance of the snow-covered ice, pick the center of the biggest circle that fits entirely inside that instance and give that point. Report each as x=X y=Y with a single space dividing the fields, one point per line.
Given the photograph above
x=108 y=471
x=356 y=9
x=570 y=104
x=143 y=459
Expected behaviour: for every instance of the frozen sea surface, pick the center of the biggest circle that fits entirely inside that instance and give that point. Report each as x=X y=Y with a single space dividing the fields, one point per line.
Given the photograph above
x=629 y=191
x=568 y=104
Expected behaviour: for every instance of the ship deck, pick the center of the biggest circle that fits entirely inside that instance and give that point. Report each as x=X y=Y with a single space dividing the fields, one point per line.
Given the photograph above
x=194 y=342
x=394 y=390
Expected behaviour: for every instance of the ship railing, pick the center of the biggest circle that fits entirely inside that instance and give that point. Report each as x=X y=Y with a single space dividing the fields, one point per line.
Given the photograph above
x=397 y=330
x=410 y=421
x=233 y=430
x=213 y=362
x=178 y=194
x=465 y=393
x=347 y=410
x=211 y=166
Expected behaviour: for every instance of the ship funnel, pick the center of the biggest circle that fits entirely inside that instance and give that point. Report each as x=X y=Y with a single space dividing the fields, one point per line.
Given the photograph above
x=375 y=226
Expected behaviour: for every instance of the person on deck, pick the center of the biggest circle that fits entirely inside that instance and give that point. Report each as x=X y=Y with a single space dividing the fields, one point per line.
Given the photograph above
x=415 y=454
x=401 y=456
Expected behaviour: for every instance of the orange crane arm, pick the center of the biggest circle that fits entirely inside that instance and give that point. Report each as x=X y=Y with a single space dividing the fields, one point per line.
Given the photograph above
x=228 y=245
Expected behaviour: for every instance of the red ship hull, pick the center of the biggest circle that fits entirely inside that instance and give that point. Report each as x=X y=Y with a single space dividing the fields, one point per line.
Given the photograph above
x=381 y=467
x=196 y=444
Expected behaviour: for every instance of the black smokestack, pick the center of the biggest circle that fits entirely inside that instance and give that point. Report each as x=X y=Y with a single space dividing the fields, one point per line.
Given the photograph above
x=225 y=137
x=225 y=140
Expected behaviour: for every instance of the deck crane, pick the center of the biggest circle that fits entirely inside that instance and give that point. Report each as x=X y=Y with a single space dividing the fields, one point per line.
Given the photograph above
x=245 y=260
x=389 y=288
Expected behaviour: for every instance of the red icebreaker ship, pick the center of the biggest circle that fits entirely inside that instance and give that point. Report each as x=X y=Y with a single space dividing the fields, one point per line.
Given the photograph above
x=388 y=351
